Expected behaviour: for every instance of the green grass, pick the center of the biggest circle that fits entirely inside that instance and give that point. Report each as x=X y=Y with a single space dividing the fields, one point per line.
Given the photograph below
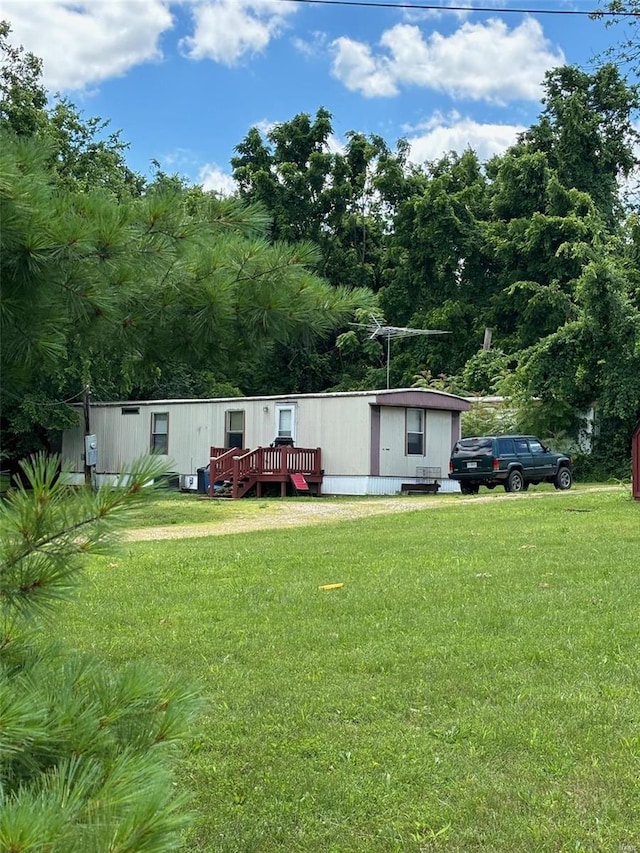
x=472 y=687
x=182 y=508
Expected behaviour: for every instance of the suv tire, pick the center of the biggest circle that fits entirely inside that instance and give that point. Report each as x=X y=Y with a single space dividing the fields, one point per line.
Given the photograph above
x=515 y=481
x=469 y=488
x=563 y=479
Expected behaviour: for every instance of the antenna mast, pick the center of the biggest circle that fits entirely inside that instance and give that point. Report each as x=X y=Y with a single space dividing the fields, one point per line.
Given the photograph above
x=379 y=331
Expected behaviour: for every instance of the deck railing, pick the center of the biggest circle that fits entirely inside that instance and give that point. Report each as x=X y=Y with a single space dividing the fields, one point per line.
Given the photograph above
x=221 y=464
x=245 y=468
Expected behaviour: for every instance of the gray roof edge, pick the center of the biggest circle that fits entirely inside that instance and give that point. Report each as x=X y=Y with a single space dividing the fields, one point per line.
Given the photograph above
x=274 y=397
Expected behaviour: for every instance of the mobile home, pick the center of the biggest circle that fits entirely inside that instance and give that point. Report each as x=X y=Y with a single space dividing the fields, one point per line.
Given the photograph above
x=372 y=442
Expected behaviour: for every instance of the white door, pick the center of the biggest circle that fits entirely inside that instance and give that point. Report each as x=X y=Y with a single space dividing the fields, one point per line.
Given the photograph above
x=285 y=423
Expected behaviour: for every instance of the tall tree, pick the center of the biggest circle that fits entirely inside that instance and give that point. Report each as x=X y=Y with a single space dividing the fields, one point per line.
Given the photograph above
x=587 y=132
x=627 y=13
x=593 y=359
x=88 y=155
x=83 y=153
x=441 y=274
x=120 y=292
x=337 y=199
x=341 y=200
x=23 y=98
x=541 y=254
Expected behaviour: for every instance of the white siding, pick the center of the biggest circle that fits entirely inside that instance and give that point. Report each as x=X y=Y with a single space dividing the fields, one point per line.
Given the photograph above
x=342 y=425
x=342 y=428
x=394 y=460
x=438 y=441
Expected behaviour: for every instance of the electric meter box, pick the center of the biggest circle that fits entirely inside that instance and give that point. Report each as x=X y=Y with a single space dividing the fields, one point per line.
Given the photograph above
x=91 y=450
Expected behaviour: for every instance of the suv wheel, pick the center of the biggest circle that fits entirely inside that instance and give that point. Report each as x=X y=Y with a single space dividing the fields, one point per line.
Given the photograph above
x=469 y=488
x=563 y=479
x=515 y=482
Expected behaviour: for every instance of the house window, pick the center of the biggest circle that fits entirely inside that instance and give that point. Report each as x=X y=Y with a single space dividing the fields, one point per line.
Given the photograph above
x=285 y=424
x=415 y=432
x=234 y=429
x=130 y=410
x=160 y=433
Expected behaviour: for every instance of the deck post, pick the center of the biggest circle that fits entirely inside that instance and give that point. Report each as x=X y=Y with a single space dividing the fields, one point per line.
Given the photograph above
x=236 y=475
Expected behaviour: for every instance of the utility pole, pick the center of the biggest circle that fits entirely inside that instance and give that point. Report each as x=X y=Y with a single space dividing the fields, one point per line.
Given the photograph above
x=90 y=440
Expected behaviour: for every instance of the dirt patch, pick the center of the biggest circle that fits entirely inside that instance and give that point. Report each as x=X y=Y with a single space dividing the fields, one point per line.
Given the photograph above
x=287 y=514
x=309 y=512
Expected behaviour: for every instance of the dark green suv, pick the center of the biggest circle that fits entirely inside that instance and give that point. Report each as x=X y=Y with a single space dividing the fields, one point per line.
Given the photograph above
x=512 y=461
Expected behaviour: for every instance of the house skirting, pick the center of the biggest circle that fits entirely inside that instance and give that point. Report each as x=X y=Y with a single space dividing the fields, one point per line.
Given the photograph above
x=332 y=484
x=354 y=485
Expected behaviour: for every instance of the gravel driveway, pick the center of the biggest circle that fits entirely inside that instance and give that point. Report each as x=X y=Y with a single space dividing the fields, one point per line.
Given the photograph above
x=304 y=513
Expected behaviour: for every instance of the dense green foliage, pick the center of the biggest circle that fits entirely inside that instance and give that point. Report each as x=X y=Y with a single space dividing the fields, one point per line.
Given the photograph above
x=137 y=291
x=85 y=754
x=162 y=290
x=515 y=245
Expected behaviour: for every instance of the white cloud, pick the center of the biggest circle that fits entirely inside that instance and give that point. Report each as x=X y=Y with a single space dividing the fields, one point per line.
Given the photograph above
x=484 y=61
x=361 y=71
x=445 y=9
x=265 y=126
x=227 y=30
x=214 y=179
x=85 y=42
x=313 y=47
x=456 y=133
x=335 y=145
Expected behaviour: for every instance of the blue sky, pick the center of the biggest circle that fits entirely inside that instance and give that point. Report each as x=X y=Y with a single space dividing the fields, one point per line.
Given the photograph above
x=185 y=81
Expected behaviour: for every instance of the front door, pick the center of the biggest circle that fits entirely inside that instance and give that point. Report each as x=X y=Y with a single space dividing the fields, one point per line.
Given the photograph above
x=285 y=423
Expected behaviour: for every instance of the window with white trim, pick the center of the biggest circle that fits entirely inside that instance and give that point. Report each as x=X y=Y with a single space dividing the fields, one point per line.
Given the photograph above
x=160 y=433
x=415 y=432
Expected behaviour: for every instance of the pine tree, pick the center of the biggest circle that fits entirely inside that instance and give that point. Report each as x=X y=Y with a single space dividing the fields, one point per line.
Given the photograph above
x=85 y=755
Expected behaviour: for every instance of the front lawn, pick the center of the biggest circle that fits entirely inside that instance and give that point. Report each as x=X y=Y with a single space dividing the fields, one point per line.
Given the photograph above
x=473 y=686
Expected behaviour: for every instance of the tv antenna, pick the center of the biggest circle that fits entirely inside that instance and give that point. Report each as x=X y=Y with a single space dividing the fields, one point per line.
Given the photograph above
x=380 y=331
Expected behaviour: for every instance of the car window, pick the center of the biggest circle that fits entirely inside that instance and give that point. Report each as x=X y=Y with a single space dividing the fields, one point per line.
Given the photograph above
x=535 y=446
x=521 y=445
x=505 y=447
x=476 y=446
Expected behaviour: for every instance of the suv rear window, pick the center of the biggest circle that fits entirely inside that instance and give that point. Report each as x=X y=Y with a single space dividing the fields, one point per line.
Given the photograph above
x=477 y=446
x=505 y=447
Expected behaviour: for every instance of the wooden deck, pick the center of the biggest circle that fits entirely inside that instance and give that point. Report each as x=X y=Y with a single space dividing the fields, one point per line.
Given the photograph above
x=243 y=469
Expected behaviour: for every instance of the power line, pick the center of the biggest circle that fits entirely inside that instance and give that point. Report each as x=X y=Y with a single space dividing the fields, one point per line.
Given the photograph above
x=23 y=398
x=371 y=4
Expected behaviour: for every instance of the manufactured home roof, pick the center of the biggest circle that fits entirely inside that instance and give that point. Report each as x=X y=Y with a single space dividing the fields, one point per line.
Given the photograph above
x=393 y=396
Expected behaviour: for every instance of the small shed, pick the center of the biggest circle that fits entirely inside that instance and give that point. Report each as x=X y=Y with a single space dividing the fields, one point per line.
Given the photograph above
x=635 y=462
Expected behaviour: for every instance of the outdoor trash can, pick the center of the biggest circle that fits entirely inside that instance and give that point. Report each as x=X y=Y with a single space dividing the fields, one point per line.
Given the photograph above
x=203 y=480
